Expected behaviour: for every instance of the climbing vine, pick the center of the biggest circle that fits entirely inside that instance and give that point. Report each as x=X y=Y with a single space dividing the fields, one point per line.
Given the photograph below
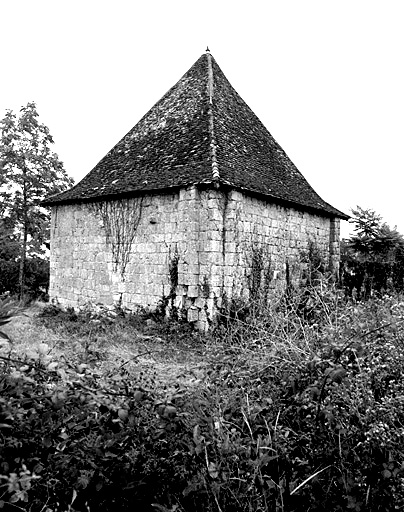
x=120 y=219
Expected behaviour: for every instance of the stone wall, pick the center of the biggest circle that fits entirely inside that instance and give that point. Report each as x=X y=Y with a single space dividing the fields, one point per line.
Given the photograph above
x=249 y=246
x=189 y=249
x=83 y=268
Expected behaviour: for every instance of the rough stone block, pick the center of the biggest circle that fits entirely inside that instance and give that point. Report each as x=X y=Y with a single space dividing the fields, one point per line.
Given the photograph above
x=230 y=247
x=216 y=216
x=193 y=314
x=188 y=279
x=191 y=268
x=215 y=233
x=236 y=196
x=200 y=302
x=193 y=291
x=213 y=246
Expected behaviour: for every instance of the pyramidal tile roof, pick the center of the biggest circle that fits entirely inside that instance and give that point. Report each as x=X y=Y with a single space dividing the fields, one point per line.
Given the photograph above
x=200 y=132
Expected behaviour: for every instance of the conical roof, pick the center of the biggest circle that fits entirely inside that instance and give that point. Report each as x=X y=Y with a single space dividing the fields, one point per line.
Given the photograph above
x=200 y=132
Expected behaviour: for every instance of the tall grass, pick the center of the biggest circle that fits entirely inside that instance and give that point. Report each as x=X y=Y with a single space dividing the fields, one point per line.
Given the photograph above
x=294 y=403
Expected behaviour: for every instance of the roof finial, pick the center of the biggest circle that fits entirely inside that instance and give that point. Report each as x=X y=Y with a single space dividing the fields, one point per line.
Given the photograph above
x=207 y=49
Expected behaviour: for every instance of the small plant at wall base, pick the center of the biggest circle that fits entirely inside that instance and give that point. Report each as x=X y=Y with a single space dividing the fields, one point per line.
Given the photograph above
x=315 y=295
x=313 y=263
x=260 y=277
x=120 y=219
x=173 y=260
x=205 y=289
x=173 y=271
x=239 y=306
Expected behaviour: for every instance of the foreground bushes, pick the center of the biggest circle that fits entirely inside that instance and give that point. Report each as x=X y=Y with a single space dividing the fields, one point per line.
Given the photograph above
x=36 y=277
x=74 y=436
x=319 y=424
x=301 y=408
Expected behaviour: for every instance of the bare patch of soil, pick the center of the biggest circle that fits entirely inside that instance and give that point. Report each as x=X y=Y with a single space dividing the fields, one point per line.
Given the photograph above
x=152 y=357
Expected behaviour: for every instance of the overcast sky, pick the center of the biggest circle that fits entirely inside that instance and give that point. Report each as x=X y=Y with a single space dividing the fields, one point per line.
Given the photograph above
x=325 y=77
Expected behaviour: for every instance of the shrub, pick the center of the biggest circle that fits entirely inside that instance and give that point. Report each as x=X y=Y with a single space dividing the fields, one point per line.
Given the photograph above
x=298 y=409
x=73 y=437
x=372 y=259
x=37 y=277
x=317 y=424
x=8 y=309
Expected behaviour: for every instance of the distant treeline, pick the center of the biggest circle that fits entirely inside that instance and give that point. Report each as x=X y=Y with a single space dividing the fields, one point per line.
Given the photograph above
x=372 y=259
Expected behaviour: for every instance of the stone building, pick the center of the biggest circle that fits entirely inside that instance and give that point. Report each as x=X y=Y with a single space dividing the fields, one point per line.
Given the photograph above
x=196 y=203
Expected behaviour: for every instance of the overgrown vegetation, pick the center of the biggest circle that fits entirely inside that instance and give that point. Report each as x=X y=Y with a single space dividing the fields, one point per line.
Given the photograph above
x=299 y=407
x=36 y=274
x=29 y=171
x=373 y=257
x=293 y=401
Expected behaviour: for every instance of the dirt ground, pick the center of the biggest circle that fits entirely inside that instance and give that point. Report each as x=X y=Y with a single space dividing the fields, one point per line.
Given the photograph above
x=172 y=365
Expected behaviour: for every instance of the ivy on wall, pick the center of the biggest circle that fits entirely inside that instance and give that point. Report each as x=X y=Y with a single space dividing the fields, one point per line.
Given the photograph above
x=120 y=220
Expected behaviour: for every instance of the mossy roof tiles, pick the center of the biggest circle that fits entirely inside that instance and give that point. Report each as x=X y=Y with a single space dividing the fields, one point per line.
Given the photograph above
x=200 y=132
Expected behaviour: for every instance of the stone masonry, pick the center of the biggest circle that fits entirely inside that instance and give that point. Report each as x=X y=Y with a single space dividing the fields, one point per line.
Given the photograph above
x=190 y=249
x=197 y=204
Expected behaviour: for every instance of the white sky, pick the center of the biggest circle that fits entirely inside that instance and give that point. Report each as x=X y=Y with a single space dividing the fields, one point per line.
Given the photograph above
x=325 y=77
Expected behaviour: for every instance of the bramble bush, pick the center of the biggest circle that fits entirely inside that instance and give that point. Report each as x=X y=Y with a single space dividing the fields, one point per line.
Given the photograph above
x=74 y=438
x=319 y=424
x=301 y=408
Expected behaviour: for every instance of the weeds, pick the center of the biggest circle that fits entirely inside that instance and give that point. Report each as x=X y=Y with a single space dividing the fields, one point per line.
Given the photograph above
x=8 y=310
x=298 y=405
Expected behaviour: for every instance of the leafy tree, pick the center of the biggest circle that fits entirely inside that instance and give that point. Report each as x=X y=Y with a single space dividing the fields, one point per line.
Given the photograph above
x=29 y=171
x=367 y=222
x=373 y=237
x=9 y=254
x=373 y=257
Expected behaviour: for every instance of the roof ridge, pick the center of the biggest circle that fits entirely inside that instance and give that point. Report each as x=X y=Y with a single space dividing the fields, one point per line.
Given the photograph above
x=201 y=132
x=213 y=147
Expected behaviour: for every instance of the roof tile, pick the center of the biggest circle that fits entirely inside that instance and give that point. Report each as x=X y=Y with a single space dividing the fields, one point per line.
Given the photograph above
x=199 y=132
